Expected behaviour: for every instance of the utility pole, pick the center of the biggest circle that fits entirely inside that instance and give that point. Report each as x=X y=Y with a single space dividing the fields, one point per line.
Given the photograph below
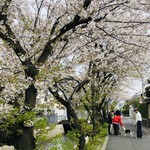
x=142 y=94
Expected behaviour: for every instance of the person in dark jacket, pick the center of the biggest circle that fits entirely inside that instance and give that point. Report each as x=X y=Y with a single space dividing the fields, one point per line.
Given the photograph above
x=109 y=121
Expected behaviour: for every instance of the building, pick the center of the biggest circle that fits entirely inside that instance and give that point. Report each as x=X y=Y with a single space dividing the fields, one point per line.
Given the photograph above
x=147 y=101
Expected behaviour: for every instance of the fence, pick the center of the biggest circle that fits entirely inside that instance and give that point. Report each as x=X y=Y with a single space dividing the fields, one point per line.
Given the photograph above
x=146 y=122
x=54 y=118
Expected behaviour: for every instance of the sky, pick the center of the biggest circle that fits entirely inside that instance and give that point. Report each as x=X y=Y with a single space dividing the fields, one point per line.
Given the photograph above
x=132 y=86
x=135 y=87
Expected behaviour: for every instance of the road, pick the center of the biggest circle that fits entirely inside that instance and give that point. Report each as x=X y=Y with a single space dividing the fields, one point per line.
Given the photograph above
x=122 y=142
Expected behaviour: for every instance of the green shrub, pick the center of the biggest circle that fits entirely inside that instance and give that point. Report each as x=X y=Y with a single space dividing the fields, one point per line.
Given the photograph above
x=143 y=110
x=71 y=139
x=42 y=128
x=125 y=112
x=97 y=141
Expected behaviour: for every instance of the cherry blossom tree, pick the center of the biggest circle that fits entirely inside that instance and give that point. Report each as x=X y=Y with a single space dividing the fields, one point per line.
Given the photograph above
x=85 y=95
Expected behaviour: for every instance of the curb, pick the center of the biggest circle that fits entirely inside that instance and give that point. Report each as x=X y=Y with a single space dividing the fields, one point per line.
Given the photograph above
x=105 y=143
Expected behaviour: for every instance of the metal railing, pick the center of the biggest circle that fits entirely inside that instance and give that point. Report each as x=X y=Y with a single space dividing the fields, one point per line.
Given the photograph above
x=54 y=118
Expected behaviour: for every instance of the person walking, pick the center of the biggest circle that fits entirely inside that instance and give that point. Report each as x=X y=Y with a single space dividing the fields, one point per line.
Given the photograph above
x=138 y=123
x=109 y=121
x=116 y=121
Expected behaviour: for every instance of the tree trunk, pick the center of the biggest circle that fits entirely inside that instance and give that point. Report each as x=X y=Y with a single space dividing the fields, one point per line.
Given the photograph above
x=25 y=141
x=95 y=119
x=30 y=96
x=81 y=142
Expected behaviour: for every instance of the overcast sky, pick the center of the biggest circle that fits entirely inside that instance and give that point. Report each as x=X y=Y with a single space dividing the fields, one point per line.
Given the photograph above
x=132 y=87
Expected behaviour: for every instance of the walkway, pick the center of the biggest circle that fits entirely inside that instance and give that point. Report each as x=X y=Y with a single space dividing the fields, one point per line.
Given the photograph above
x=122 y=142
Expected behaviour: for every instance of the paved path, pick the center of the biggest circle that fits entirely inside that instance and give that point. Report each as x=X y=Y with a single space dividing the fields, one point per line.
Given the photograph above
x=122 y=142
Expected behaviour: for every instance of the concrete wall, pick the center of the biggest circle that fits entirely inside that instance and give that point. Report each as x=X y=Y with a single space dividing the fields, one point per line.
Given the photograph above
x=148 y=110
